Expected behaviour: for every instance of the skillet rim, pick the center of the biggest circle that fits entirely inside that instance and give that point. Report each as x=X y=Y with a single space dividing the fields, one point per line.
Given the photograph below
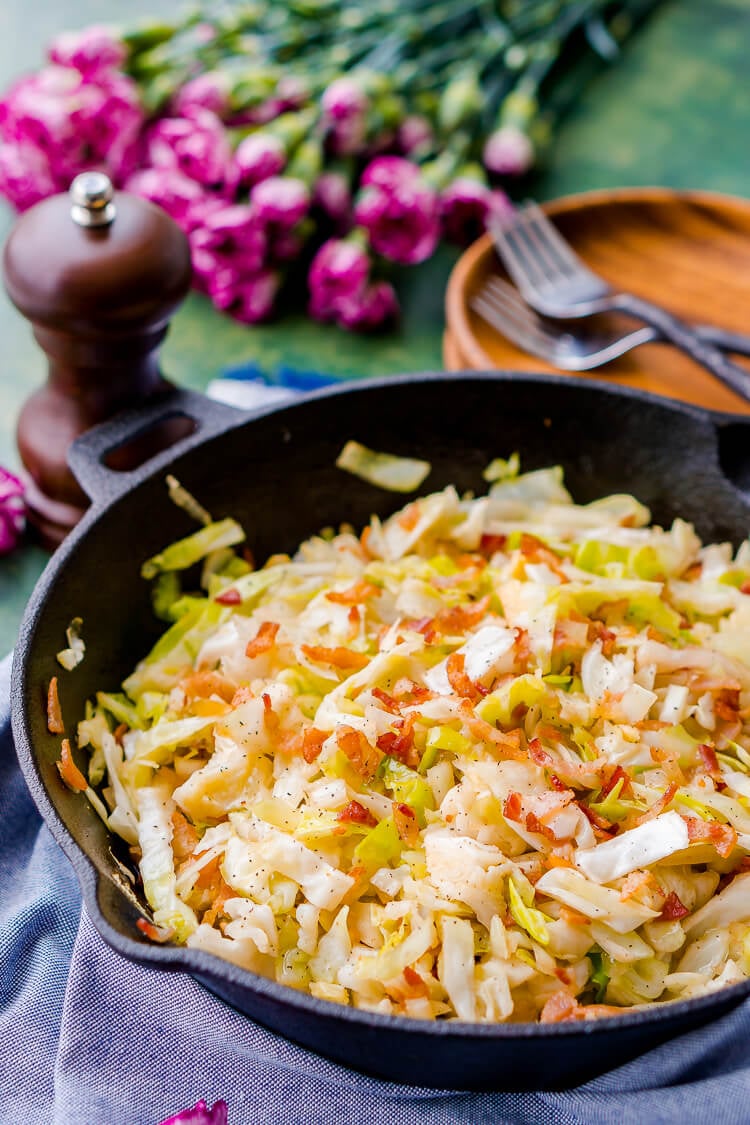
x=207 y=968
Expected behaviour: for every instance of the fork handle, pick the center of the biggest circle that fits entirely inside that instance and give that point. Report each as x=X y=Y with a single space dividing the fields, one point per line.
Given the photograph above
x=687 y=340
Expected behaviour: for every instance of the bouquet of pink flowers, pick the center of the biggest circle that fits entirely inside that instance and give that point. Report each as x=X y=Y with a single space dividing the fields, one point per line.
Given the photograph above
x=321 y=136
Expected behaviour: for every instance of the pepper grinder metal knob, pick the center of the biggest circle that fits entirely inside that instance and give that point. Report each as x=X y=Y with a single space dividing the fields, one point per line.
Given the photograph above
x=98 y=272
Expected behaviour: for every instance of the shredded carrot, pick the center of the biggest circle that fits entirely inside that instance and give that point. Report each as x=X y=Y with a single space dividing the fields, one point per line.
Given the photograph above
x=159 y=934
x=55 y=724
x=69 y=771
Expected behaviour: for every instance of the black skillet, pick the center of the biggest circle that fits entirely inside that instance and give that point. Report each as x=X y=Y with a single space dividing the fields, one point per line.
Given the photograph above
x=275 y=472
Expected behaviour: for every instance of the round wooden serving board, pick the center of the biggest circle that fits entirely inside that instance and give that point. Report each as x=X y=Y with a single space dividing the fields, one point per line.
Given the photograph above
x=688 y=251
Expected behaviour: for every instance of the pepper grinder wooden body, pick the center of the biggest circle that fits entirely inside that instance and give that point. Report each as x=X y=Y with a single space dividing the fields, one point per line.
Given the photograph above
x=98 y=273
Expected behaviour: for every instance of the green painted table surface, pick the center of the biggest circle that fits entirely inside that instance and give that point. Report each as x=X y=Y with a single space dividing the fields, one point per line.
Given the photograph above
x=673 y=111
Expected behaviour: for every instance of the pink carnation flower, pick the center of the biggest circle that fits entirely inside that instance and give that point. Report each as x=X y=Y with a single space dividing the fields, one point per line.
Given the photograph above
x=76 y=121
x=466 y=205
x=345 y=107
x=508 y=152
x=93 y=49
x=207 y=91
x=258 y=157
x=332 y=197
x=228 y=243
x=415 y=135
x=339 y=271
x=374 y=307
x=12 y=511
x=198 y=146
x=399 y=210
x=25 y=175
x=169 y=189
x=281 y=200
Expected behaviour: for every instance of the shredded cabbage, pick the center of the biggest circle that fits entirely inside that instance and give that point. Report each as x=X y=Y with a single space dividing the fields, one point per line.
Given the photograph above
x=492 y=750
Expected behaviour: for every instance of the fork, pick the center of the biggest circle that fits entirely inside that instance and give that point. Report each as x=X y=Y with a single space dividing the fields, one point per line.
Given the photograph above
x=502 y=307
x=555 y=282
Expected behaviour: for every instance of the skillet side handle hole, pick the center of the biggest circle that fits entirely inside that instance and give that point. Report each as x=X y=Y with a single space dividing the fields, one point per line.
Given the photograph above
x=134 y=452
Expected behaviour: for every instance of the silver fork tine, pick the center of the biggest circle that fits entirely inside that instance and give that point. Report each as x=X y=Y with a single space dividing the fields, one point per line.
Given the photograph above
x=521 y=266
x=501 y=318
x=552 y=237
x=504 y=301
x=539 y=248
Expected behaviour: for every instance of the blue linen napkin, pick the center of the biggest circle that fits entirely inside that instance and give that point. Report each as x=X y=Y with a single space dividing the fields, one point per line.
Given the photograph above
x=89 y=1038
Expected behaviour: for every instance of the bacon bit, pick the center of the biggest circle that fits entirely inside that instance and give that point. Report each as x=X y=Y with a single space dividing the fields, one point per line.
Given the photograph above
x=55 y=724
x=459 y=618
x=387 y=700
x=400 y=743
x=119 y=731
x=489 y=544
x=406 y=823
x=562 y=1006
x=184 y=836
x=354 y=595
x=727 y=704
x=723 y=837
x=407 y=691
x=598 y=631
x=409 y=517
x=217 y=907
x=673 y=908
x=270 y=718
x=707 y=755
x=563 y=976
x=555 y=782
x=312 y=743
x=416 y=985
x=364 y=757
x=618 y=774
x=745 y=587
x=354 y=813
x=202 y=685
x=459 y=680
x=263 y=640
x=242 y=695
x=573 y=917
x=512 y=807
x=597 y=821
x=158 y=934
x=354 y=617
x=692 y=572
x=228 y=597
x=554 y=860
x=339 y=657
x=471 y=561
x=659 y=805
x=638 y=881
x=536 y=551
x=209 y=875
x=69 y=771
x=540 y=756
x=534 y=824
x=509 y=742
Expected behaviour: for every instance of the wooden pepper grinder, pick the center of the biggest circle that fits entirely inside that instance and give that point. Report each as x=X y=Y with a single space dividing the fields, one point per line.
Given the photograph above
x=98 y=273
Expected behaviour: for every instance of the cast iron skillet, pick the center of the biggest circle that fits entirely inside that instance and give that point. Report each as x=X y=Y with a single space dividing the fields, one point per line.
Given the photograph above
x=275 y=472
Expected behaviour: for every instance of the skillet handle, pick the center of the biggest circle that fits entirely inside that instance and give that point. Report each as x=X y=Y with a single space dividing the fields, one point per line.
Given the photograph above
x=87 y=453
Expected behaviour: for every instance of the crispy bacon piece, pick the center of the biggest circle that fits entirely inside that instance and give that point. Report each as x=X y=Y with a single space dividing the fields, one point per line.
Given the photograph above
x=69 y=771
x=727 y=704
x=242 y=695
x=659 y=805
x=673 y=908
x=354 y=813
x=228 y=597
x=406 y=822
x=355 y=595
x=399 y=743
x=407 y=691
x=388 y=701
x=159 y=934
x=707 y=755
x=416 y=985
x=536 y=551
x=202 y=685
x=562 y=1006
x=338 y=657
x=457 y=678
x=216 y=909
x=312 y=743
x=459 y=618
x=534 y=824
x=509 y=743
x=598 y=631
x=598 y=822
x=723 y=837
x=554 y=860
x=184 y=836
x=512 y=807
x=618 y=774
x=264 y=639
x=489 y=544
x=364 y=757
x=55 y=724
x=120 y=730
x=270 y=718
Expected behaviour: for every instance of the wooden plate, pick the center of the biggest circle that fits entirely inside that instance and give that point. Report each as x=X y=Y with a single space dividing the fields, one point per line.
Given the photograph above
x=689 y=251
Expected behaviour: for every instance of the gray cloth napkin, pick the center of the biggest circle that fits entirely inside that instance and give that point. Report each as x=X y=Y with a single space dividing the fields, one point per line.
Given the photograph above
x=87 y=1038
